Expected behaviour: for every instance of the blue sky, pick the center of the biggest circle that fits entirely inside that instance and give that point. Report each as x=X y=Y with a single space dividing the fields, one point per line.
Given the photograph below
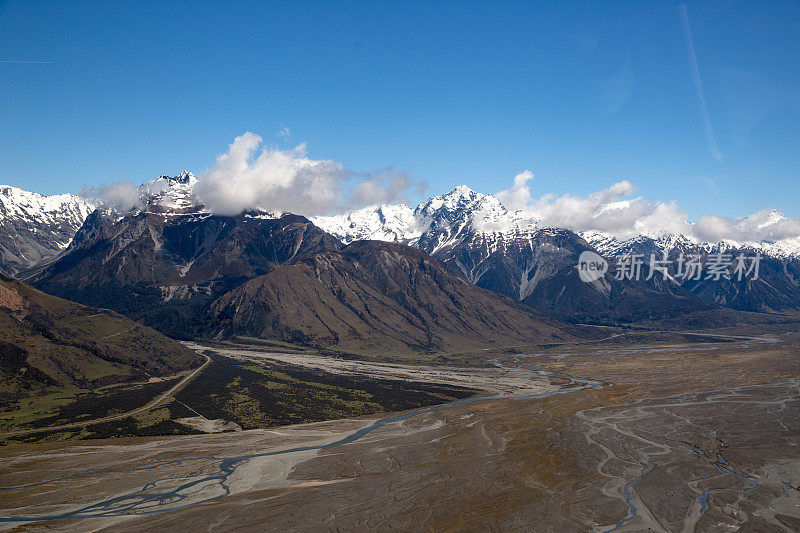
x=582 y=94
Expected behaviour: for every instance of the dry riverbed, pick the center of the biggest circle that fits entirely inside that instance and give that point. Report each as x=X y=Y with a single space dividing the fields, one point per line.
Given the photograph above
x=670 y=437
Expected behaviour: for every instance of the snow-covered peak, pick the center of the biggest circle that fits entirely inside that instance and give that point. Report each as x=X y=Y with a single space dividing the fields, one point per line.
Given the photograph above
x=441 y=221
x=459 y=193
x=170 y=193
x=462 y=207
x=492 y=217
x=34 y=228
x=394 y=223
x=782 y=248
x=461 y=197
x=763 y=219
x=185 y=177
x=613 y=246
x=16 y=203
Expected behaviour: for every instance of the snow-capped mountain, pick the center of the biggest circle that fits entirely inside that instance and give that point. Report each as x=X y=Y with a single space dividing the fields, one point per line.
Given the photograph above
x=176 y=193
x=462 y=215
x=479 y=238
x=508 y=252
x=512 y=253
x=393 y=223
x=439 y=223
x=35 y=228
x=612 y=246
x=776 y=288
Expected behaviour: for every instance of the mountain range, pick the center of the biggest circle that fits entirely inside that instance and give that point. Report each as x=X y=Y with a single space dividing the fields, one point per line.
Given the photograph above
x=163 y=265
x=511 y=253
x=186 y=271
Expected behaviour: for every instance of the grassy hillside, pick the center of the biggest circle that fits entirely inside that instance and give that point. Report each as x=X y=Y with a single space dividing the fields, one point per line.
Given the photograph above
x=53 y=351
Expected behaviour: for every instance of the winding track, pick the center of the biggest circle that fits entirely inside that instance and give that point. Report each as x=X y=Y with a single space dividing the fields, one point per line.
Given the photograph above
x=153 y=403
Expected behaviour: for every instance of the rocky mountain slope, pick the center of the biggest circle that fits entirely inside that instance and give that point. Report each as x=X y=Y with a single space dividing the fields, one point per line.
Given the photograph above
x=163 y=268
x=376 y=296
x=777 y=287
x=35 y=228
x=46 y=341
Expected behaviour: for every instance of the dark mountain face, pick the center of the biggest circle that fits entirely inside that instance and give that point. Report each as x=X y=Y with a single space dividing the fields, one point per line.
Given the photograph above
x=163 y=268
x=515 y=265
x=540 y=270
x=47 y=341
x=777 y=287
x=376 y=296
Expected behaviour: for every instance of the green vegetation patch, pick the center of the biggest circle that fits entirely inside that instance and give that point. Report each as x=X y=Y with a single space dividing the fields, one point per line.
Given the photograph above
x=70 y=404
x=260 y=396
x=155 y=422
x=251 y=395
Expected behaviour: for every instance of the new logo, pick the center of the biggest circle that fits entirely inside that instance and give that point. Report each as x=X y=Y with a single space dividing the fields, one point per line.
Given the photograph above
x=591 y=266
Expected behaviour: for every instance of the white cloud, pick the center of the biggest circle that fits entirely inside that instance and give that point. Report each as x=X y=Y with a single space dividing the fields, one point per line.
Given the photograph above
x=606 y=210
x=248 y=176
x=616 y=211
x=122 y=195
x=766 y=225
x=273 y=180
x=664 y=219
x=519 y=195
x=382 y=187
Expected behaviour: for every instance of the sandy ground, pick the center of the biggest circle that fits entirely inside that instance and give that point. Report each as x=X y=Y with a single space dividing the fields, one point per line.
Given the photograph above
x=201 y=423
x=493 y=381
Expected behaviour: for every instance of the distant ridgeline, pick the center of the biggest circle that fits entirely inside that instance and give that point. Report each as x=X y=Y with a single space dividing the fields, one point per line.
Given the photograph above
x=190 y=273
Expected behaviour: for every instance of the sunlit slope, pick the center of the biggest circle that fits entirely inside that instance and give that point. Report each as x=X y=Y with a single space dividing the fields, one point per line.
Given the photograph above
x=46 y=341
x=376 y=296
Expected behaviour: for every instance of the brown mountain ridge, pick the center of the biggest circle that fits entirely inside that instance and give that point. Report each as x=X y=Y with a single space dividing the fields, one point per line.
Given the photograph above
x=376 y=296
